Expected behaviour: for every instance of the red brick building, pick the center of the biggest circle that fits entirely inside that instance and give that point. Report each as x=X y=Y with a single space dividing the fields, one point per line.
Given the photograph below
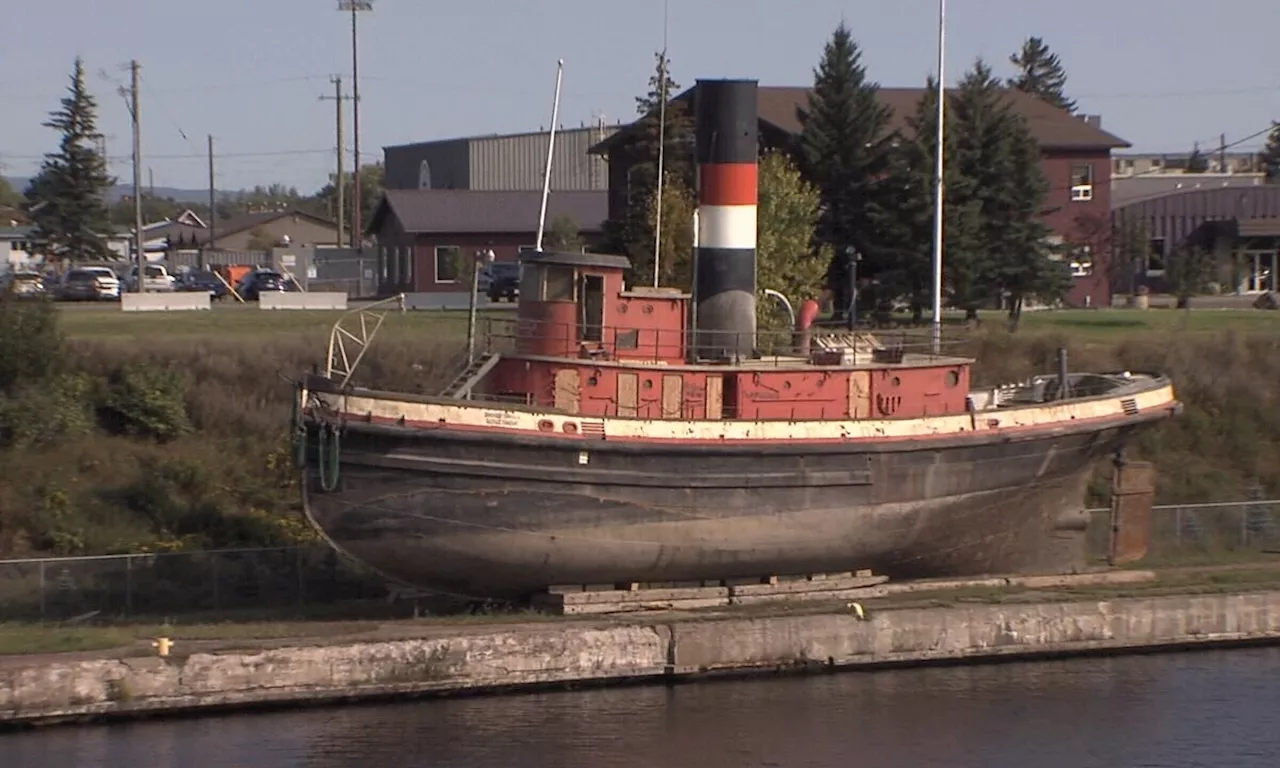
x=1077 y=165
x=423 y=234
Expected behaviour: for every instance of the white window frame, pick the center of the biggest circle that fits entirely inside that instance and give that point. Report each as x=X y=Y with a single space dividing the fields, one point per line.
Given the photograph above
x=1082 y=192
x=436 y=273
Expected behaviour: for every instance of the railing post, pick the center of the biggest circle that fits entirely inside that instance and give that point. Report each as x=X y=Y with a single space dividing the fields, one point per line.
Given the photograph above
x=128 y=585
x=43 y=598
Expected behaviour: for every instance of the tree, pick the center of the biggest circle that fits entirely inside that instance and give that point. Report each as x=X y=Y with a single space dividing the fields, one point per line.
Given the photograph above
x=1270 y=159
x=633 y=232
x=789 y=259
x=10 y=202
x=676 y=266
x=67 y=199
x=1130 y=242
x=843 y=150
x=372 y=181
x=564 y=235
x=905 y=214
x=1040 y=72
x=1196 y=161
x=1189 y=270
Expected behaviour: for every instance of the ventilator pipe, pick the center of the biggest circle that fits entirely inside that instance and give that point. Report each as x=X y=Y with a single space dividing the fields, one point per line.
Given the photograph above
x=805 y=319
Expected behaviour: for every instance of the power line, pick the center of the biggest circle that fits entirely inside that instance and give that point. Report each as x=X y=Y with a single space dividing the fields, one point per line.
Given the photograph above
x=223 y=155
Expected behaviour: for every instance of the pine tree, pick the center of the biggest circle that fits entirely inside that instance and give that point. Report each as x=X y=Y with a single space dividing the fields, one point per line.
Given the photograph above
x=1270 y=159
x=1196 y=161
x=844 y=151
x=905 y=216
x=1040 y=71
x=66 y=200
x=633 y=233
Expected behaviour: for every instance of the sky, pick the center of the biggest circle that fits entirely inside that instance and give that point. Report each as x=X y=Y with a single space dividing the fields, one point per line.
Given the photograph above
x=1163 y=74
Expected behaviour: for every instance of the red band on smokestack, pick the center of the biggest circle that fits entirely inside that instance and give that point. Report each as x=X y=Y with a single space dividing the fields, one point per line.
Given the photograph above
x=728 y=184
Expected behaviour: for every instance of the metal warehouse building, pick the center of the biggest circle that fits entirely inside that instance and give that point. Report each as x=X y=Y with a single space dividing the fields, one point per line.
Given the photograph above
x=514 y=162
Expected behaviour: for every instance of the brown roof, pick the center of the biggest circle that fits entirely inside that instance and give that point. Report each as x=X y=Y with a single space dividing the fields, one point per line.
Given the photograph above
x=1053 y=127
x=178 y=230
x=470 y=210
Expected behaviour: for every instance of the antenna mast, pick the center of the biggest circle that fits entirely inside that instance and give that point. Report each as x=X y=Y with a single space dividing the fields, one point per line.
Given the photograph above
x=662 y=143
x=939 y=188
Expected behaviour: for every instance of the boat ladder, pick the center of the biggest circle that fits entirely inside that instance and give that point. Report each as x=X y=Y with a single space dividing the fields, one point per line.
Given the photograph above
x=461 y=386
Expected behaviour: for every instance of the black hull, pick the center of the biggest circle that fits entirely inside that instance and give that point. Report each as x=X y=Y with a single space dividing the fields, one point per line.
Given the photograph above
x=504 y=516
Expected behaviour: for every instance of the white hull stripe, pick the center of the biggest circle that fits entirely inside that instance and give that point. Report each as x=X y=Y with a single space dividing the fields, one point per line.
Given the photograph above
x=727 y=226
x=478 y=415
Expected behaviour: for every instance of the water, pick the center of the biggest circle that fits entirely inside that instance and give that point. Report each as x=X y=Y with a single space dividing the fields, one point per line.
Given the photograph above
x=1219 y=709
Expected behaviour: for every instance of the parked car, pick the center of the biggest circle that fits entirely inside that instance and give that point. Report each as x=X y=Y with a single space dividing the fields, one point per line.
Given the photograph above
x=23 y=285
x=503 y=281
x=196 y=281
x=262 y=281
x=156 y=279
x=89 y=284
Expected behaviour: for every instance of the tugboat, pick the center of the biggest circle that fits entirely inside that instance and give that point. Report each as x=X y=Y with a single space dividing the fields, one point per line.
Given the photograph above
x=618 y=434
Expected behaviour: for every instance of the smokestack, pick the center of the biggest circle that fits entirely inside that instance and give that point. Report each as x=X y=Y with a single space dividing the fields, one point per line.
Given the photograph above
x=724 y=284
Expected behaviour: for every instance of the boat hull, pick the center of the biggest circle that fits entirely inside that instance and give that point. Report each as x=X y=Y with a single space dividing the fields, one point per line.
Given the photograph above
x=492 y=515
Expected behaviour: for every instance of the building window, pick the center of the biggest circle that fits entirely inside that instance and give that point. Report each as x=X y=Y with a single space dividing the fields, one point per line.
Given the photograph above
x=1082 y=182
x=448 y=260
x=394 y=268
x=382 y=262
x=408 y=263
x=1082 y=262
x=1155 y=256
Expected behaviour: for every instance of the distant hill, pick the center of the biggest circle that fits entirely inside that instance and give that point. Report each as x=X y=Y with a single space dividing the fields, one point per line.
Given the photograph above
x=124 y=190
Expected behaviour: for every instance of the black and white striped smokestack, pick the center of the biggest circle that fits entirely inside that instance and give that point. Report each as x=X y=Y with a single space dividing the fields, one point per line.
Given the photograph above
x=724 y=285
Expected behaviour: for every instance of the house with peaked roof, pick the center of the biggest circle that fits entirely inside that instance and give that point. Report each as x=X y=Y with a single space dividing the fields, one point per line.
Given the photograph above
x=244 y=232
x=1076 y=163
x=424 y=234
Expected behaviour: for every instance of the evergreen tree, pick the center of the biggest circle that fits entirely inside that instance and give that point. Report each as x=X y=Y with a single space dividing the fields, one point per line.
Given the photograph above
x=1196 y=161
x=66 y=200
x=633 y=233
x=1270 y=159
x=844 y=151
x=789 y=258
x=905 y=215
x=1040 y=71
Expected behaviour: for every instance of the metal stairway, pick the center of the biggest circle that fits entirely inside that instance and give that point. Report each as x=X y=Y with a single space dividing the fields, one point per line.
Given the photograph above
x=462 y=384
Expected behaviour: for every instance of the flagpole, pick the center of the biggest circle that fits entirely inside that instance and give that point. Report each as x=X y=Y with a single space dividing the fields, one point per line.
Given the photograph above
x=939 y=188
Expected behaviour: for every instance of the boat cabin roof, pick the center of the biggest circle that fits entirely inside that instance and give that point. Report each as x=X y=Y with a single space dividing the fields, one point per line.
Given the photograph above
x=576 y=259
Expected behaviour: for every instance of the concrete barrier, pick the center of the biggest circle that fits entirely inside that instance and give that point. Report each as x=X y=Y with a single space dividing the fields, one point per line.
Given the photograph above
x=456 y=658
x=164 y=302
x=315 y=300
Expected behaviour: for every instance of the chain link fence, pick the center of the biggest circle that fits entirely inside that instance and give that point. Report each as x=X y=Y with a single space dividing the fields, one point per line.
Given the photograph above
x=228 y=581
x=1232 y=530
x=181 y=583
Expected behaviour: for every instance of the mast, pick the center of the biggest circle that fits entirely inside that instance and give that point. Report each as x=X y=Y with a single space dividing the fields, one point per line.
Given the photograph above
x=939 y=188
x=662 y=145
x=551 y=148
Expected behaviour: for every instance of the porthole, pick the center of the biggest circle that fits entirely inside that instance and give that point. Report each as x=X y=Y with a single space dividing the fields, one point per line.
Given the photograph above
x=953 y=378
x=648 y=383
x=897 y=382
x=648 y=309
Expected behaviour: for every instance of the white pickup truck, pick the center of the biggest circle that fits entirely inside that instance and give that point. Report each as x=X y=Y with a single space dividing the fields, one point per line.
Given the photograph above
x=156 y=279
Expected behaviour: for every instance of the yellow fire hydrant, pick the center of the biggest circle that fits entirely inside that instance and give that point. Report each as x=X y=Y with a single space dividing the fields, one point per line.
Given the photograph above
x=162 y=645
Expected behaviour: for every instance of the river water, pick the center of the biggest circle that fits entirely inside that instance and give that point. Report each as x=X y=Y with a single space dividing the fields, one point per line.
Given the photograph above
x=1219 y=709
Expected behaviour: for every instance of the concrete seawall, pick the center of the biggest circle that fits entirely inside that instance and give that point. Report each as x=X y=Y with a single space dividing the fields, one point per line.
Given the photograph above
x=495 y=656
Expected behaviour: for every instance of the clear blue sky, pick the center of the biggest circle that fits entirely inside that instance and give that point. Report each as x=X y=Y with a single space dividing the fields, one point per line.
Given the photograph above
x=1163 y=73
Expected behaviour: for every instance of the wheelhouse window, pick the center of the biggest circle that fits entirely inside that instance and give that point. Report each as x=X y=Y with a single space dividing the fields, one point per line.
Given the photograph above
x=448 y=259
x=558 y=283
x=591 y=309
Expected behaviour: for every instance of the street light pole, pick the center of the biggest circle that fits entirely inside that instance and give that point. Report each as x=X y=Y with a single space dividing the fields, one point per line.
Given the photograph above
x=355 y=7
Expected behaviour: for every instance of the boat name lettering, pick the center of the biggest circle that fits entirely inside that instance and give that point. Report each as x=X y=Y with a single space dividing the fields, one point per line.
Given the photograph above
x=500 y=419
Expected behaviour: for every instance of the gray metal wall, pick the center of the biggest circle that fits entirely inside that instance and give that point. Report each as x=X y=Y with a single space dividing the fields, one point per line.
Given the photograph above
x=518 y=162
x=510 y=163
x=448 y=161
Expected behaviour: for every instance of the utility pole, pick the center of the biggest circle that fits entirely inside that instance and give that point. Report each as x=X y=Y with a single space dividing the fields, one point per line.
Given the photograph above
x=340 y=180
x=213 y=209
x=135 y=112
x=1222 y=154
x=355 y=7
